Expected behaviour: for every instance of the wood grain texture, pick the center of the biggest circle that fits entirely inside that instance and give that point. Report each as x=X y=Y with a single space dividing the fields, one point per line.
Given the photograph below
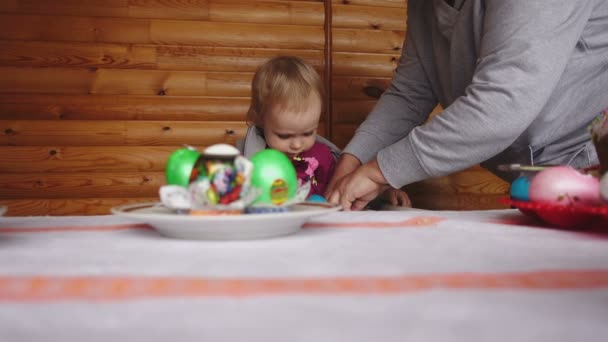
x=124 y=81
x=155 y=31
x=118 y=133
x=352 y=111
x=69 y=206
x=81 y=159
x=343 y=132
x=179 y=57
x=374 y=3
x=364 y=64
x=352 y=14
x=359 y=88
x=154 y=82
x=368 y=17
x=74 y=185
x=174 y=32
x=122 y=107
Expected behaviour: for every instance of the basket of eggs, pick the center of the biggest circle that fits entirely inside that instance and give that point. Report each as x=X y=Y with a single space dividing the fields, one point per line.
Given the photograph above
x=563 y=196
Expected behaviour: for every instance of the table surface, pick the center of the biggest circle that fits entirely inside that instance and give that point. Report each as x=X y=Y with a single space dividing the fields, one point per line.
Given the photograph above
x=361 y=276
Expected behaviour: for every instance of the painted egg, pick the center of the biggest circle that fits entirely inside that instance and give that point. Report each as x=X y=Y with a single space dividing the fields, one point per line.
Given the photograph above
x=221 y=150
x=520 y=189
x=179 y=166
x=316 y=198
x=274 y=174
x=564 y=186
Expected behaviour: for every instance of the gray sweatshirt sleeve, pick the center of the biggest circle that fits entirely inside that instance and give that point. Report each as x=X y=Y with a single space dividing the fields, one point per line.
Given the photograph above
x=525 y=47
x=403 y=106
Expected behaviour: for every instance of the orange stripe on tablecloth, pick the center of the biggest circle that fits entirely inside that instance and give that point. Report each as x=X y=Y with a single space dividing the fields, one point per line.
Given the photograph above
x=75 y=228
x=25 y=289
x=418 y=221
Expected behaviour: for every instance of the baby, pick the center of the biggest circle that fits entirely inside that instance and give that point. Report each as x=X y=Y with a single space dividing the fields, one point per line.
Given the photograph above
x=286 y=105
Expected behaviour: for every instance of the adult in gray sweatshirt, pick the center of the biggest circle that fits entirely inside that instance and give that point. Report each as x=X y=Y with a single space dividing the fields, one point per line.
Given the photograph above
x=520 y=81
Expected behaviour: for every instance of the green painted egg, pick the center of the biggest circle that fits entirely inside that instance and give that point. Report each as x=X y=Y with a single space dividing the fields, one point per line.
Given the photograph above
x=275 y=175
x=180 y=165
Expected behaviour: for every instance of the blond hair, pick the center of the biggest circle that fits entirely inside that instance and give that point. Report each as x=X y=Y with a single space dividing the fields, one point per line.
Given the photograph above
x=286 y=82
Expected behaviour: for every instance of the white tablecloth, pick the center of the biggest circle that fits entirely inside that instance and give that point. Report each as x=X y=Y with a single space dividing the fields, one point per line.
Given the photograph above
x=363 y=276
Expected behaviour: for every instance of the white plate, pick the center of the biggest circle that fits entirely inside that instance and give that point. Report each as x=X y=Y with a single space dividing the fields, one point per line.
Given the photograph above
x=225 y=227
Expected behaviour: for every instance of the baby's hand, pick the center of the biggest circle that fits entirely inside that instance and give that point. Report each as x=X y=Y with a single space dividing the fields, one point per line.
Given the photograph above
x=396 y=197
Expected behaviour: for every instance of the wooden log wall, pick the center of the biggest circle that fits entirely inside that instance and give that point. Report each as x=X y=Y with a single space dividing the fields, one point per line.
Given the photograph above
x=95 y=94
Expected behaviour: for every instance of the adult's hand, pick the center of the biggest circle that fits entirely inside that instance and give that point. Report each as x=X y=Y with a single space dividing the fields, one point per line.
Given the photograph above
x=347 y=164
x=355 y=190
x=396 y=197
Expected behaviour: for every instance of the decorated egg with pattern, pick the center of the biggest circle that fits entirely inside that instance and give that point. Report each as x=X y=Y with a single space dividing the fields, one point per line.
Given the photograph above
x=275 y=176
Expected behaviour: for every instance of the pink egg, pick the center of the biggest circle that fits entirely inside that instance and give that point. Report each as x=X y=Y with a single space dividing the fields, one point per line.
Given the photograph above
x=564 y=186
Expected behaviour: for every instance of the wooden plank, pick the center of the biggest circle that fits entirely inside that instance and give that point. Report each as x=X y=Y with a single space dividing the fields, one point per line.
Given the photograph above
x=154 y=31
x=51 y=80
x=352 y=14
x=236 y=35
x=74 y=54
x=177 y=57
x=122 y=107
x=74 y=185
x=471 y=181
x=374 y=3
x=342 y=133
x=364 y=64
x=140 y=56
x=351 y=111
x=355 y=112
x=204 y=58
x=176 y=9
x=471 y=189
x=76 y=206
x=174 y=32
x=119 y=81
x=430 y=201
x=369 y=41
x=118 y=133
x=8 y=5
x=295 y=13
x=89 y=159
x=267 y=12
x=359 y=88
x=75 y=29
x=368 y=17
x=111 y=8
x=155 y=82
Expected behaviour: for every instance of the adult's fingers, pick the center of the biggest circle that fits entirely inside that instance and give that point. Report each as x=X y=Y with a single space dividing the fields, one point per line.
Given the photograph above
x=403 y=199
x=393 y=199
x=406 y=202
x=359 y=204
x=345 y=203
x=334 y=197
x=331 y=187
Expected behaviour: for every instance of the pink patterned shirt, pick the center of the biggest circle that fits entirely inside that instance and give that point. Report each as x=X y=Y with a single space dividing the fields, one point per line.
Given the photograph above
x=315 y=165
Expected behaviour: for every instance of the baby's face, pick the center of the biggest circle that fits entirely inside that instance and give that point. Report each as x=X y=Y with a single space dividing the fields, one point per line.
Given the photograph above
x=293 y=132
